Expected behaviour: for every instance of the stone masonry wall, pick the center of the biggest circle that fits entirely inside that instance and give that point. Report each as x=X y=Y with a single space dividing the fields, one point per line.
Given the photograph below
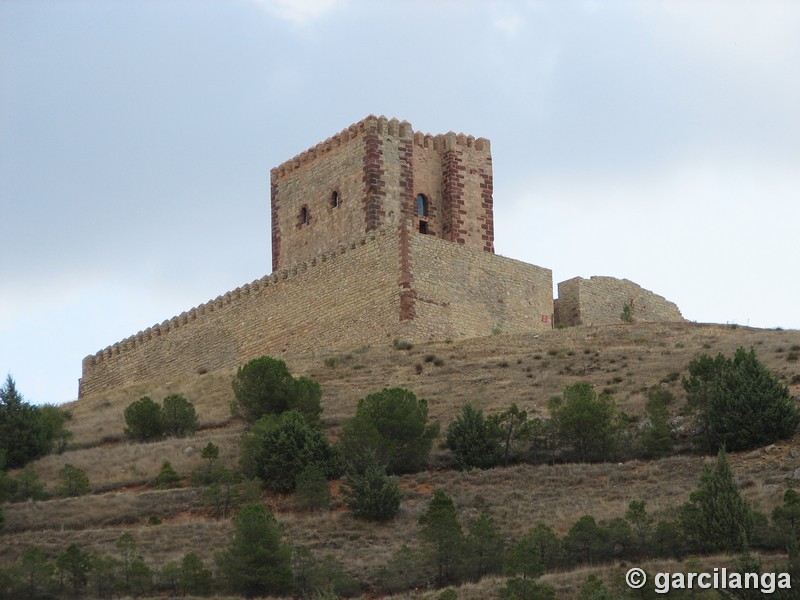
x=377 y=167
x=600 y=301
x=393 y=283
x=342 y=299
x=465 y=292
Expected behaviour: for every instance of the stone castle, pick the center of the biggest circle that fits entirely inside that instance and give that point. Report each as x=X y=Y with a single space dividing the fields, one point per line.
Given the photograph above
x=378 y=233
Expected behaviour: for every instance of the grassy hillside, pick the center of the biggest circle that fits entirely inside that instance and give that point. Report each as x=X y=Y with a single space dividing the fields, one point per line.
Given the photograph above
x=490 y=373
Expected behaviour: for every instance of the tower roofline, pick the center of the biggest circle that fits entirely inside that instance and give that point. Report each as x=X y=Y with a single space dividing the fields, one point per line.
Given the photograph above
x=382 y=126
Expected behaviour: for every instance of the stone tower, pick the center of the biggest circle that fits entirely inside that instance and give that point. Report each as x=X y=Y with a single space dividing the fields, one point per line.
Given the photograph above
x=380 y=172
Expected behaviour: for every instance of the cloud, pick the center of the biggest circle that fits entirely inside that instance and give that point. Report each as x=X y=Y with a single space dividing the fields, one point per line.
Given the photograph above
x=300 y=12
x=509 y=25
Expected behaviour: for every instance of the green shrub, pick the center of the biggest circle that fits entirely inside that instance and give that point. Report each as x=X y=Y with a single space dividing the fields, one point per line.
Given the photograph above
x=264 y=386
x=740 y=403
x=27 y=432
x=209 y=474
x=485 y=547
x=257 y=561
x=195 y=578
x=28 y=486
x=627 y=313
x=371 y=494
x=656 y=437
x=586 y=422
x=167 y=477
x=321 y=579
x=717 y=518
x=442 y=533
x=518 y=588
x=72 y=482
x=143 y=420
x=586 y=541
x=277 y=448
x=311 y=489
x=74 y=565
x=178 y=417
x=391 y=425
x=473 y=440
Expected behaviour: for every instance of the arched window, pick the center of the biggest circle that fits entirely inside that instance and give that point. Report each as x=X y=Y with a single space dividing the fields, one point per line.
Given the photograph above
x=335 y=199
x=422 y=205
x=304 y=215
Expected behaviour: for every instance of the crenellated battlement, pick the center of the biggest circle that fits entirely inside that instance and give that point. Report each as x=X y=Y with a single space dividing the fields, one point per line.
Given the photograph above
x=223 y=301
x=392 y=128
x=372 y=174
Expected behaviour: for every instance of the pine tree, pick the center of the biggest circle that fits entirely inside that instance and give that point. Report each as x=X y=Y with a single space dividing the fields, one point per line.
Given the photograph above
x=257 y=561
x=741 y=403
x=167 y=477
x=312 y=491
x=442 y=532
x=485 y=547
x=195 y=578
x=716 y=517
x=72 y=482
x=393 y=425
x=473 y=440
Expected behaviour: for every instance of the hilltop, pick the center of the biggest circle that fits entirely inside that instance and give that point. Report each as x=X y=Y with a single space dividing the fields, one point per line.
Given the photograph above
x=490 y=373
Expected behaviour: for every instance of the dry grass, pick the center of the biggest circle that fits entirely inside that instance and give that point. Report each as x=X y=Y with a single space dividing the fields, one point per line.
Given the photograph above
x=489 y=372
x=119 y=465
x=103 y=510
x=98 y=418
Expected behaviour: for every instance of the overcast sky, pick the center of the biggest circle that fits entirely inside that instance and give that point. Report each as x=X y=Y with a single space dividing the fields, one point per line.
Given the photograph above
x=657 y=141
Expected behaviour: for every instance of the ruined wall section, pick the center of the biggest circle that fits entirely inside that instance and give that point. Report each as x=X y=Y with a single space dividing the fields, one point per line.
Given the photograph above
x=600 y=301
x=341 y=299
x=466 y=292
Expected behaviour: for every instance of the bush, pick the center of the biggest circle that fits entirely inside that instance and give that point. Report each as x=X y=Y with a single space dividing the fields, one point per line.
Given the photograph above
x=178 y=417
x=473 y=440
x=586 y=541
x=656 y=437
x=517 y=588
x=167 y=477
x=143 y=420
x=511 y=427
x=371 y=495
x=390 y=425
x=27 y=486
x=72 y=482
x=741 y=404
x=321 y=579
x=311 y=490
x=586 y=421
x=627 y=313
x=264 y=386
x=279 y=447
